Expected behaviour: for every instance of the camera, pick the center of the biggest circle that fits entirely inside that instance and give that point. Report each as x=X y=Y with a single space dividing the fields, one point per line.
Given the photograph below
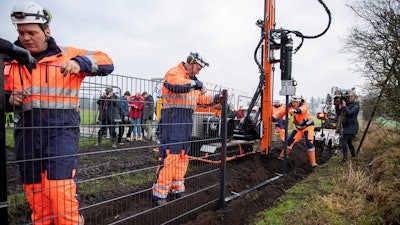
x=345 y=96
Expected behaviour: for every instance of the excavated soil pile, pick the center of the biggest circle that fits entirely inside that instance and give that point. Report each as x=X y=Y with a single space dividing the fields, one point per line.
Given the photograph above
x=242 y=174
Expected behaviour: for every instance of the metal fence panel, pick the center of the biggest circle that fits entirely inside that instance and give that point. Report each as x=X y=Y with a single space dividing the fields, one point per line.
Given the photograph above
x=114 y=184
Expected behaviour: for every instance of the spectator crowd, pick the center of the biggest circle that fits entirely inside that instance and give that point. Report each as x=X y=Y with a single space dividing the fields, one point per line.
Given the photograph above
x=131 y=113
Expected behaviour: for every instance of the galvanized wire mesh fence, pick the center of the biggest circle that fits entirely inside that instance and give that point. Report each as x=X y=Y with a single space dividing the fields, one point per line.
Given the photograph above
x=114 y=184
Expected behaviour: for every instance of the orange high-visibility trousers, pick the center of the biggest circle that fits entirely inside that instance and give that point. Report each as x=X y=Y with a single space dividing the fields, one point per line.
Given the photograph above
x=53 y=202
x=39 y=202
x=170 y=175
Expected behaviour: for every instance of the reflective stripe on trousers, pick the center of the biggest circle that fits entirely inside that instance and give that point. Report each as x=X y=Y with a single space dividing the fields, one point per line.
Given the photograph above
x=170 y=174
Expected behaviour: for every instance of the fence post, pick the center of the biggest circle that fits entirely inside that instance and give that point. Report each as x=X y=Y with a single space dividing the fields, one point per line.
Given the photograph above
x=3 y=172
x=223 y=148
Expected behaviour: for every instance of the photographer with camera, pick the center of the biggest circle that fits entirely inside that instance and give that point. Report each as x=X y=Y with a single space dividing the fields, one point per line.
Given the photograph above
x=349 y=123
x=110 y=115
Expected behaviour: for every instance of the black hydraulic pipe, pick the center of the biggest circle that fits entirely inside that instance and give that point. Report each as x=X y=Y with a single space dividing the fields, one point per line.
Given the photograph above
x=286 y=56
x=286 y=74
x=284 y=163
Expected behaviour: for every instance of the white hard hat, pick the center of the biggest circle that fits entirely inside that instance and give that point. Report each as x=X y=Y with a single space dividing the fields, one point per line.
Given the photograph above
x=29 y=12
x=297 y=97
x=197 y=57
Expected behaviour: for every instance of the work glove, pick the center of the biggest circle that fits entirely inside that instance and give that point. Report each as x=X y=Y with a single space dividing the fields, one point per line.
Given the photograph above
x=218 y=98
x=291 y=111
x=24 y=57
x=198 y=85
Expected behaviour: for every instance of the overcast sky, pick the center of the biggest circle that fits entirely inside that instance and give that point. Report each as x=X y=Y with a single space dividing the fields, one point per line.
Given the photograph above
x=146 y=38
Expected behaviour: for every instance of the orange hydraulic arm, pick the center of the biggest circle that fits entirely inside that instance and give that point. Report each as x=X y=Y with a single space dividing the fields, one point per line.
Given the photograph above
x=266 y=114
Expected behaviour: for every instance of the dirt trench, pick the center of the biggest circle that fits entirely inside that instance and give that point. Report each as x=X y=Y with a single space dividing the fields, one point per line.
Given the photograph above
x=242 y=174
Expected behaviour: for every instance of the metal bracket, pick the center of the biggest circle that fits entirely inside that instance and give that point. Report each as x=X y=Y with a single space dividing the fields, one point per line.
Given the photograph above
x=288 y=87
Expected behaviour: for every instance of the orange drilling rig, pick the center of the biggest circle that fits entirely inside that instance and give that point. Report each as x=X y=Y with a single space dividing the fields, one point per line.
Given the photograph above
x=274 y=47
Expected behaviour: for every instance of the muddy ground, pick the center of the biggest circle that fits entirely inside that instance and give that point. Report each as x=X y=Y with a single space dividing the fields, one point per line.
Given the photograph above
x=253 y=170
x=242 y=174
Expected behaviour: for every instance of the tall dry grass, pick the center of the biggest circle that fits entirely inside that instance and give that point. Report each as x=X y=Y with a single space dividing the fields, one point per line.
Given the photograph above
x=368 y=189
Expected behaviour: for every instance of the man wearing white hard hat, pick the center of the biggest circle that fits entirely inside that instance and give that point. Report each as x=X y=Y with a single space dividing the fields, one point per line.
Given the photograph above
x=46 y=102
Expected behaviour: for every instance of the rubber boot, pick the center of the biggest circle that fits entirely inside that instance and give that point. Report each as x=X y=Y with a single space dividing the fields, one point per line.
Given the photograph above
x=311 y=156
x=114 y=142
x=353 y=153
x=98 y=143
x=288 y=150
x=344 y=160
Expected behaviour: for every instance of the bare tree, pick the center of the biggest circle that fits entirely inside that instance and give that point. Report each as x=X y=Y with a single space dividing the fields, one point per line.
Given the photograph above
x=374 y=41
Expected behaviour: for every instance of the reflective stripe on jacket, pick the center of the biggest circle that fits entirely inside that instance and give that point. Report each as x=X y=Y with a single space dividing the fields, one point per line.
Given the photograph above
x=46 y=86
x=178 y=90
x=301 y=119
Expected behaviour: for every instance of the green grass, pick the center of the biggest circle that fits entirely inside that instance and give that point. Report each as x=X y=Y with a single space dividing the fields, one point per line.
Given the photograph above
x=364 y=191
x=116 y=182
x=88 y=116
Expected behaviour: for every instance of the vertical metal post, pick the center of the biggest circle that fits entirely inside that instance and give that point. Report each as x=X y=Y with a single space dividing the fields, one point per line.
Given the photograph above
x=224 y=132
x=266 y=114
x=286 y=74
x=3 y=172
x=373 y=112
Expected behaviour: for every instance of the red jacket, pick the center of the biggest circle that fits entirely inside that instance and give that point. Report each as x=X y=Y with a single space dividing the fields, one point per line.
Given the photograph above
x=137 y=106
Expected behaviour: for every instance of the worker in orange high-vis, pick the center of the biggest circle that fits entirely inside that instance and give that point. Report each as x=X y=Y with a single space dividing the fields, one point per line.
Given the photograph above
x=304 y=127
x=278 y=123
x=46 y=102
x=180 y=92
x=210 y=104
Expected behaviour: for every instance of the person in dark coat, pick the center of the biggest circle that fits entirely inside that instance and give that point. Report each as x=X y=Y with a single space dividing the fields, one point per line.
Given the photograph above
x=147 y=115
x=109 y=115
x=124 y=109
x=350 y=108
x=232 y=112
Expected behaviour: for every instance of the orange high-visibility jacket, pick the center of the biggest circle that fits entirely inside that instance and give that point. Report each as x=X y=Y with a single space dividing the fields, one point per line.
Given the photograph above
x=301 y=118
x=276 y=110
x=46 y=86
x=181 y=93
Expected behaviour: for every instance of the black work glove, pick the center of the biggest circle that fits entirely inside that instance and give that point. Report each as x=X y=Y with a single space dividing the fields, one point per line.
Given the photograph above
x=198 y=85
x=24 y=57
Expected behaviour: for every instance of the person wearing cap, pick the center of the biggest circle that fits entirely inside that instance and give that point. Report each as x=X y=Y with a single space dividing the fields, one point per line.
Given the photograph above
x=147 y=114
x=304 y=127
x=124 y=109
x=180 y=90
x=109 y=116
x=46 y=101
